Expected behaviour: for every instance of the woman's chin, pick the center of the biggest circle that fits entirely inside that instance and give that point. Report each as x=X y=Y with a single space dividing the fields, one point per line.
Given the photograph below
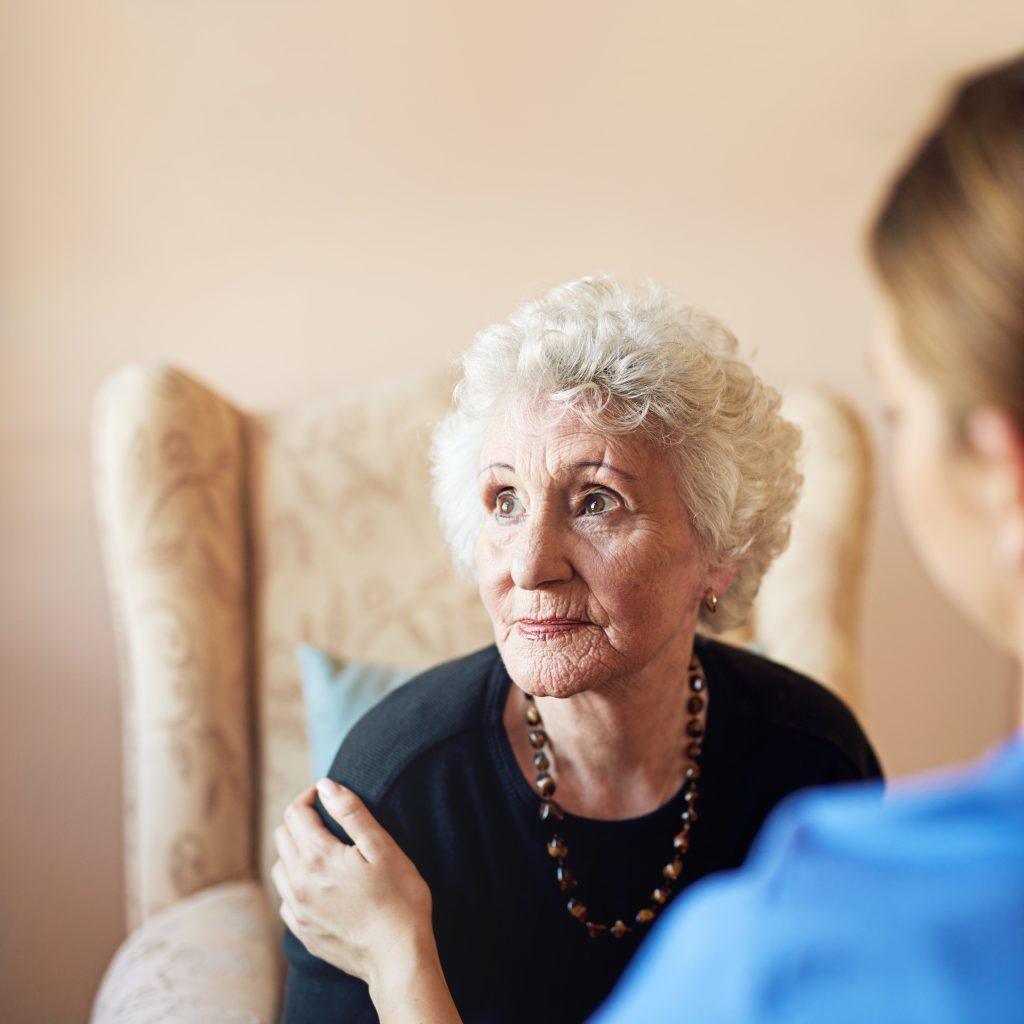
x=561 y=665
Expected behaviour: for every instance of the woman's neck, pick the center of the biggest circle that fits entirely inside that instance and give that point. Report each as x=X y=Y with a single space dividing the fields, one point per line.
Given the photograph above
x=616 y=750
x=1016 y=651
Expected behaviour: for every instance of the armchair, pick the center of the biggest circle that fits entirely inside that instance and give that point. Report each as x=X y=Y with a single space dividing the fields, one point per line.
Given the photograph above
x=228 y=538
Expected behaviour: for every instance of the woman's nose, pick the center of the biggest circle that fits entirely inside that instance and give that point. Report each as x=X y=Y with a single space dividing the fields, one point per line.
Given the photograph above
x=540 y=555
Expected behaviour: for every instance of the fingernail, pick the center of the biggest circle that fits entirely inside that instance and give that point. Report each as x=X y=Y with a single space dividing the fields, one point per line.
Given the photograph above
x=328 y=787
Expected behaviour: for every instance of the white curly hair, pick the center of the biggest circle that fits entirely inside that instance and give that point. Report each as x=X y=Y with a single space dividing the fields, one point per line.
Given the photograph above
x=628 y=360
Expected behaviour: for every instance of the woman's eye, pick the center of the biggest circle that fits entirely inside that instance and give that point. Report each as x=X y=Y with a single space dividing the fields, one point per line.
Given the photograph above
x=506 y=505
x=597 y=502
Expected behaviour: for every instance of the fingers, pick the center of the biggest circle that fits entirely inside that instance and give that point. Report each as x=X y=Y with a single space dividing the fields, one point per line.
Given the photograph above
x=292 y=924
x=371 y=840
x=288 y=901
x=283 y=885
x=305 y=841
x=286 y=848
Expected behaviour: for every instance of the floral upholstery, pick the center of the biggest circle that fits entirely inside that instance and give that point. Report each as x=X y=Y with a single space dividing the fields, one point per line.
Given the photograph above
x=808 y=611
x=209 y=959
x=229 y=538
x=347 y=554
x=170 y=484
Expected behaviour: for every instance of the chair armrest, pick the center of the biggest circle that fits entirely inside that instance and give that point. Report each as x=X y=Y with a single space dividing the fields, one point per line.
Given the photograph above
x=213 y=957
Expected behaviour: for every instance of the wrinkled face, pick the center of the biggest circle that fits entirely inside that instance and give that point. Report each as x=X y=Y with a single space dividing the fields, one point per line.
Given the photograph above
x=588 y=565
x=940 y=487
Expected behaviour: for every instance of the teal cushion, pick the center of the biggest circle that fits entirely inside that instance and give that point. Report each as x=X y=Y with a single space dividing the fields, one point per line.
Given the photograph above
x=337 y=696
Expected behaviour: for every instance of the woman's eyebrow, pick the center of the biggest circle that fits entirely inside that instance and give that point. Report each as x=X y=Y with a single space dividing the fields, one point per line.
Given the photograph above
x=594 y=464
x=584 y=464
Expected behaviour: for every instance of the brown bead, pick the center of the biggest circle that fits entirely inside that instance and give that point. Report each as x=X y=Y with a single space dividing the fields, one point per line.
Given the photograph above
x=693 y=772
x=689 y=816
x=557 y=848
x=673 y=869
x=620 y=929
x=550 y=809
x=565 y=880
x=645 y=916
x=545 y=784
x=682 y=841
x=696 y=684
x=541 y=762
x=595 y=930
x=532 y=714
x=695 y=728
x=661 y=895
x=690 y=796
x=694 y=750
x=695 y=705
x=577 y=909
x=538 y=737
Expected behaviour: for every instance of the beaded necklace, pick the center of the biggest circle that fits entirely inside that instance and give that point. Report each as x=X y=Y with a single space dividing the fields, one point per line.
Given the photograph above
x=551 y=811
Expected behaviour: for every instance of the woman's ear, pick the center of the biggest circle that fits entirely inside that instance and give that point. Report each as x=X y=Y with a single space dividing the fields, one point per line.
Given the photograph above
x=997 y=443
x=719 y=579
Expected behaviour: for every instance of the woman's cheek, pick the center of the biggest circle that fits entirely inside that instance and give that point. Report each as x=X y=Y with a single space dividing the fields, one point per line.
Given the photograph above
x=493 y=578
x=925 y=506
x=915 y=487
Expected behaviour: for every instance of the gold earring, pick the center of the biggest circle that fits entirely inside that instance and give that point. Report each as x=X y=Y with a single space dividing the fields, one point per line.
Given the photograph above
x=711 y=601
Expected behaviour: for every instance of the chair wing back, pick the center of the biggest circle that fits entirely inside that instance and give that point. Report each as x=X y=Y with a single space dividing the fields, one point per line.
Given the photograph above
x=348 y=555
x=807 y=613
x=170 y=469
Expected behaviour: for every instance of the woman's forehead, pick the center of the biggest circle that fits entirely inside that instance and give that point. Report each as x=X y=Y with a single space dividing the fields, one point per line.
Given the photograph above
x=565 y=445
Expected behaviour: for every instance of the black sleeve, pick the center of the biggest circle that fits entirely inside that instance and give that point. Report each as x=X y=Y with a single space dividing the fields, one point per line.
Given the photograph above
x=832 y=765
x=316 y=991
x=866 y=765
x=379 y=760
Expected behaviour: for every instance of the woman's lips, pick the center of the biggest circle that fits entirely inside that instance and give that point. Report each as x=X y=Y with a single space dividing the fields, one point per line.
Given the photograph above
x=548 y=629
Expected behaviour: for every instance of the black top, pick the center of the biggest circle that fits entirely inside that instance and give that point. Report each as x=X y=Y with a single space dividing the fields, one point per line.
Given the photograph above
x=434 y=764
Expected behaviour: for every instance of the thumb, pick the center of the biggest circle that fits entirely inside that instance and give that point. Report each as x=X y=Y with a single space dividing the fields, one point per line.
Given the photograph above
x=369 y=837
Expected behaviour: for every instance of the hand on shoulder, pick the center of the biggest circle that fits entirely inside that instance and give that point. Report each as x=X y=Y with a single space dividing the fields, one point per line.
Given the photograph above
x=362 y=908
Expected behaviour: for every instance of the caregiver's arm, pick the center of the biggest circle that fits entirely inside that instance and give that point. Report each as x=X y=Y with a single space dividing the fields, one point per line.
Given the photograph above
x=363 y=908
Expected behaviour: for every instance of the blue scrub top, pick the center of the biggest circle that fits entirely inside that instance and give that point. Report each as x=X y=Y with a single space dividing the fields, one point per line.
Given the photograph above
x=850 y=908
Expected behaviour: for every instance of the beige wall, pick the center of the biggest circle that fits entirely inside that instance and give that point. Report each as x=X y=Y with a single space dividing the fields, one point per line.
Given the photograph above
x=289 y=198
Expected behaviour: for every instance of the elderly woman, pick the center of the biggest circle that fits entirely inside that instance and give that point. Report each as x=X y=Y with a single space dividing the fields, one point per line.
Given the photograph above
x=615 y=475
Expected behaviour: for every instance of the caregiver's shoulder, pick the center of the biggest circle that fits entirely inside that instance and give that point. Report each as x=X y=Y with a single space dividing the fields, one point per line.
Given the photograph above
x=790 y=703
x=430 y=711
x=852 y=909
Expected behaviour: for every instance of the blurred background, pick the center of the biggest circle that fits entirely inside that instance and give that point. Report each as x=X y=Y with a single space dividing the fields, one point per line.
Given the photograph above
x=294 y=198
